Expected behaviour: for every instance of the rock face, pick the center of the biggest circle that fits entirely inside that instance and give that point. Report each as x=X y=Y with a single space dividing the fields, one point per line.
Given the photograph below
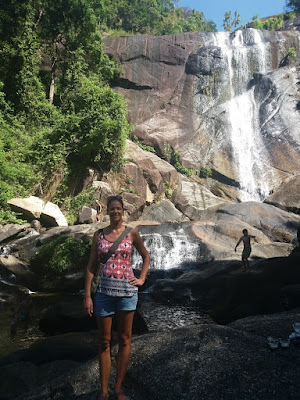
x=225 y=101
x=287 y=196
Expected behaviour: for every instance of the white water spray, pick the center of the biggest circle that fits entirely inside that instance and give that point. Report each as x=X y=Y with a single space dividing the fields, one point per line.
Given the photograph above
x=168 y=250
x=246 y=54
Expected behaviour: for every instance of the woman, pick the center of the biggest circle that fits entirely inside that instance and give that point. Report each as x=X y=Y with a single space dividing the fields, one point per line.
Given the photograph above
x=116 y=293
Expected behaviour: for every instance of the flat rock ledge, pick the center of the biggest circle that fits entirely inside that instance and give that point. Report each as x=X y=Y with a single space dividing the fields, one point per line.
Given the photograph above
x=201 y=362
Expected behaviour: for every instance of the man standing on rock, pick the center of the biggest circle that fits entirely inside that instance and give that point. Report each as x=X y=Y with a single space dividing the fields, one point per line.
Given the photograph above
x=247 y=248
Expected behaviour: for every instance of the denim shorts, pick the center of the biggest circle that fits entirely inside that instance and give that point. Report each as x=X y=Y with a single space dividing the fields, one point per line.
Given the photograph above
x=105 y=305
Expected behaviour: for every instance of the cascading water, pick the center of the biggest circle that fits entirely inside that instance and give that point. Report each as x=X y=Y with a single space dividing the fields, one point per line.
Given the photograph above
x=168 y=250
x=248 y=149
x=245 y=54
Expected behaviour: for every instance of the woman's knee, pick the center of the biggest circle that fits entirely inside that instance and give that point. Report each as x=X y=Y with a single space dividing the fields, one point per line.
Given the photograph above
x=124 y=340
x=104 y=343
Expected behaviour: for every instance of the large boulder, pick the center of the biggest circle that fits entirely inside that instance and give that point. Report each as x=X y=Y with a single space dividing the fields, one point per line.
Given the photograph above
x=151 y=165
x=278 y=225
x=31 y=207
x=163 y=211
x=34 y=208
x=23 y=376
x=52 y=216
x=87 y=215
x=193 y=199
x=11 y=231
x=287 y=196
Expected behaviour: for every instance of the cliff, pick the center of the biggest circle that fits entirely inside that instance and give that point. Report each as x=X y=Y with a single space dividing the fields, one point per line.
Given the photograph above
x=227 y=101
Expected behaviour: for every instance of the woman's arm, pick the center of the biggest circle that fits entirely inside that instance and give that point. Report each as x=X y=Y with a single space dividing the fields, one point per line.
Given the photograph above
x=88 y=303
x=139 y=245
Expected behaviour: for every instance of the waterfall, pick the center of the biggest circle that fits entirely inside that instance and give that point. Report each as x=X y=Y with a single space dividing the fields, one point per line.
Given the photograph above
x=248 y=149
x=245 y=54
x=168 y=250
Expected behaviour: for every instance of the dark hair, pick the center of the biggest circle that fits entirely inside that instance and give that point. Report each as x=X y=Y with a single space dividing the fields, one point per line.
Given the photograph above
x=113 y=198
x=245 y=231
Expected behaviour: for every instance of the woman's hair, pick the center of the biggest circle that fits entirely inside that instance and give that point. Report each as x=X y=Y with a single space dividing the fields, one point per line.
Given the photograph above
x=113 y=198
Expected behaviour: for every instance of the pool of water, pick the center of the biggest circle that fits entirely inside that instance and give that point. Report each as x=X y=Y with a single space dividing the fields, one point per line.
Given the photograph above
x=27 y=333
x=158 y=316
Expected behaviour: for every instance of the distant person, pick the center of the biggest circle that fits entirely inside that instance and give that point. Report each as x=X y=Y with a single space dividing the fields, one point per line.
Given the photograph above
x=247 y=248
x=98 y=209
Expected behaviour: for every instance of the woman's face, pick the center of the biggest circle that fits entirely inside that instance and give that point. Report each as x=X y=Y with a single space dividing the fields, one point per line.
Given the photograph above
x=115 y=211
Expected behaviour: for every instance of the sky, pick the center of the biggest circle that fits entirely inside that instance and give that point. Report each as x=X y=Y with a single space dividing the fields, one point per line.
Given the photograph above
x=215 y=9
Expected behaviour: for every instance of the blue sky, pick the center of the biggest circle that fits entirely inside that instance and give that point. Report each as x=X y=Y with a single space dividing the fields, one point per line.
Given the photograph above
x=215 y=9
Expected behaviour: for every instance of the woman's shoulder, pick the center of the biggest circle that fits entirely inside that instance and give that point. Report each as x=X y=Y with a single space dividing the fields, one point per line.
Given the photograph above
x=134 y=233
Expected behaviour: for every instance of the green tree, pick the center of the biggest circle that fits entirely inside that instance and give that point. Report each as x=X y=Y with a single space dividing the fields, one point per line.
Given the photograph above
x=95 y=127
x=293 y=5
x=230 y=21
x=66 y=26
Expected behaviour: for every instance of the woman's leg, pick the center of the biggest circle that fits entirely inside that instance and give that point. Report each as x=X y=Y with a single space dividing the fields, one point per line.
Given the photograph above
x=124 y=321
x=104 y=327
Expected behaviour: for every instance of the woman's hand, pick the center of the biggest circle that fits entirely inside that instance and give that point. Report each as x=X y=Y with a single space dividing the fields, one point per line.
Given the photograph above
x=136 y=281
x=88 y=305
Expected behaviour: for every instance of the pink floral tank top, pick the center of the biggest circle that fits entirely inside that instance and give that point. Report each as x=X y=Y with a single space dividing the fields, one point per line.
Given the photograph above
x=117 y=269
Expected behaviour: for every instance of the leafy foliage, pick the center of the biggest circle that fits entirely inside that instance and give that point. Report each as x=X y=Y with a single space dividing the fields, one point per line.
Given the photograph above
x=205 y=172
x=293 y=5
x=230 y=21
x=143 y=146
x=73 y=205
x=61 y=256
x=159 y=17
x=84 y=123
x=270 y=24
